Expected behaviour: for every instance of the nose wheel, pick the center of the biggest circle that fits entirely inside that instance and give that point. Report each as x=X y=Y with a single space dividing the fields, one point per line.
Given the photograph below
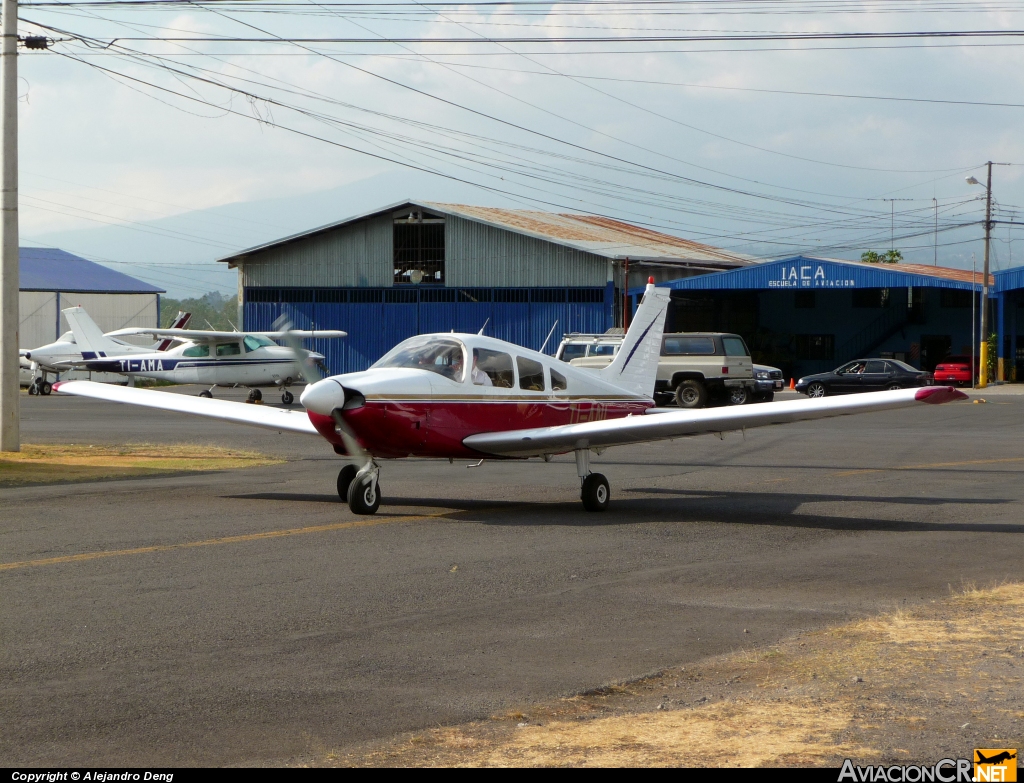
x=364 y=491
x=287 y=398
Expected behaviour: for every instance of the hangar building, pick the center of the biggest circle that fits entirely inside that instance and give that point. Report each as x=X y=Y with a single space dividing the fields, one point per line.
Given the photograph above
x=1009 y=323
x=417 y=267
x=807 y=315
x=51 y=280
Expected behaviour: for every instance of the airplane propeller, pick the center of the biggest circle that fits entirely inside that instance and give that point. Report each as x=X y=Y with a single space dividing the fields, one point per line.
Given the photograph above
x=310 y=372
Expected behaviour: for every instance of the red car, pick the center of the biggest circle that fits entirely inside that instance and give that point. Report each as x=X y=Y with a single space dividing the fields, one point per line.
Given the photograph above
x=956 y=369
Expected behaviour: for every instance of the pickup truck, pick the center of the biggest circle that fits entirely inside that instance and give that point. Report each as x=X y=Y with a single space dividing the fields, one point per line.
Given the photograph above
x=695 y=367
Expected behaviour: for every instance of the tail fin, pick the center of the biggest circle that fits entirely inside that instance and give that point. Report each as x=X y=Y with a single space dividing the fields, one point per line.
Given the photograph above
x=180 y=322
x=90 y=338
x=635 y=366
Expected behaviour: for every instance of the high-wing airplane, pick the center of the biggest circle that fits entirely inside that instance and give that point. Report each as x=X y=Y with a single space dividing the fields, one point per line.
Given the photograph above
x=250 y=359
x=469 y=396
x=56 y=357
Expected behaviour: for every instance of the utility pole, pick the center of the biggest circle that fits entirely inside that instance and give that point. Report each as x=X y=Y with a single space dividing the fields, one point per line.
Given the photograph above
x=983 y=371
x=935 y=242
x=10 y=424
x=892 y=219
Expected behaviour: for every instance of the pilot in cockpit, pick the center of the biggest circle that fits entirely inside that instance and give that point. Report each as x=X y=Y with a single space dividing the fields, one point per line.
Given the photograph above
x=480 y=378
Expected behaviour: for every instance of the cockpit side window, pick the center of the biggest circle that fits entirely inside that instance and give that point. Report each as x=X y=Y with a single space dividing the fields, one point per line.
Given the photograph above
x=442 y=355
x=558 y=382
x=199 y=349
x=252 y=342
x=531 y=374
x=495 y=366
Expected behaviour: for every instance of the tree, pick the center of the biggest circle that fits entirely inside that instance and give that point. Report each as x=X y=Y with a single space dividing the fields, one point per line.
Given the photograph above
x=888 y=257
x=212 y=309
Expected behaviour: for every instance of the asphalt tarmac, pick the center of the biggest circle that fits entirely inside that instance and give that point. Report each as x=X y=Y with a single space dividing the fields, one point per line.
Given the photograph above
x=205 y=634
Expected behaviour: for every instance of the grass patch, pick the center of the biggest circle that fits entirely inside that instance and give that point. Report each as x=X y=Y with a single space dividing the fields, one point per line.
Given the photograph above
x=57 y=463
x=911 y=686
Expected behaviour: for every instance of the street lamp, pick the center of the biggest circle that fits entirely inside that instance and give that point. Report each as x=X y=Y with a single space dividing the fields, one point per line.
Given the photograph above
x=983 y=352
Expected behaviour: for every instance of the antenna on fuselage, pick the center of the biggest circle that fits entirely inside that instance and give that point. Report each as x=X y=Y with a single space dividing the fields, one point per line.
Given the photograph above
x=553 y=326
x=484 y=326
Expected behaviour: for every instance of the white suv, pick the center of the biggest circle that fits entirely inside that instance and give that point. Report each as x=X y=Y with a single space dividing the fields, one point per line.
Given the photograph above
x=695 y=367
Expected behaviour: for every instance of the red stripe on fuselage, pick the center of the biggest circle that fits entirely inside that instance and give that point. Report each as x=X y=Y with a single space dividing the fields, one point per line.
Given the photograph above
x=431 y=428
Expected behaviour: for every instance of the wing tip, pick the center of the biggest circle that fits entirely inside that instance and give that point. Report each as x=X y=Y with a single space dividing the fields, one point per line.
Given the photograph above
x=937 y=395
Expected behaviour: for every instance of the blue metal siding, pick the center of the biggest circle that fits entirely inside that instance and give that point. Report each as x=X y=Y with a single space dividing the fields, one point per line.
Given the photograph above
x=801 y=272
x=376 y=322
x=1009 y=279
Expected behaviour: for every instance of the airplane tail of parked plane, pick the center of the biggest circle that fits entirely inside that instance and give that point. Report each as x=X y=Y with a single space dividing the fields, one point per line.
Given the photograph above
x=180 y=322
x=635 y=366
x=89 y=337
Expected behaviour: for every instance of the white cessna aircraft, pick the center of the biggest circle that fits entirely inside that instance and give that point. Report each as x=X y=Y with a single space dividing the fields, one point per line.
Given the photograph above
x=56 y=357
x=250 y=359
x=463 y=395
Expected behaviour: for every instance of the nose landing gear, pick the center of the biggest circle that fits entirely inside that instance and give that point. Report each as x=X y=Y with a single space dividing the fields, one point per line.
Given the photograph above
x=594 y=491
x=287 y=397
x=364 y=490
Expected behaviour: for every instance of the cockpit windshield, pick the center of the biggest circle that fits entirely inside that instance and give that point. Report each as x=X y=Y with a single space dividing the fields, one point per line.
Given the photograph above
x=442 y=355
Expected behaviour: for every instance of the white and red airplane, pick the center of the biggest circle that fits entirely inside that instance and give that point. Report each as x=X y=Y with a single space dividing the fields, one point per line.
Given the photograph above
x=458 y=396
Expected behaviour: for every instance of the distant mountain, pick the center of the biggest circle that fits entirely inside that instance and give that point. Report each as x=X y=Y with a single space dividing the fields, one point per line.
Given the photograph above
x=198 y=238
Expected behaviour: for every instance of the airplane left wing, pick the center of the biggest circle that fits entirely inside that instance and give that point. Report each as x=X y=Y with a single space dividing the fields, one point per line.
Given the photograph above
x=235 y=412
x=678 y=424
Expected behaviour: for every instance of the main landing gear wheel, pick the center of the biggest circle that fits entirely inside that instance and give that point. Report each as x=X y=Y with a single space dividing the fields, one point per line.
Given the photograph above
x=363 y=495
x=287 y=398
x=345 y=480
x=45 y=387
x=816 y=390
x=691 y=394
x=595 y=493
x=255 y=396
x=206 y=393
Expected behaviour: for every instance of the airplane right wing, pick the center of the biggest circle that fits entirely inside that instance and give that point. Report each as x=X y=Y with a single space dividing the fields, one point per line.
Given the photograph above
x=682 y=423
x=224 y=410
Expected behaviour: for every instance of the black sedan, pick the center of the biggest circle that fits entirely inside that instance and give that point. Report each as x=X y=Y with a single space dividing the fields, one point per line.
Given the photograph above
x=864 y=375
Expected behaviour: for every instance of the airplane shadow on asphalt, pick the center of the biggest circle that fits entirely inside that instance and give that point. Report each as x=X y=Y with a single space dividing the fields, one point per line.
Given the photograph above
x=683 y=505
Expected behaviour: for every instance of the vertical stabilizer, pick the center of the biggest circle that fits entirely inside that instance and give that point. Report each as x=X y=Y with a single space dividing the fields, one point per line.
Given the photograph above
x=180 y=322
x=635 y=366
x=90 y=338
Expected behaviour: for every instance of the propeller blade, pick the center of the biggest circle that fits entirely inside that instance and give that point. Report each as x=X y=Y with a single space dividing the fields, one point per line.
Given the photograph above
x=307 y=367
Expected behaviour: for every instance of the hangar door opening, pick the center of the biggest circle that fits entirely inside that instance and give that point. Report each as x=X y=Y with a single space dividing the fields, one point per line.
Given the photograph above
x=418 y=248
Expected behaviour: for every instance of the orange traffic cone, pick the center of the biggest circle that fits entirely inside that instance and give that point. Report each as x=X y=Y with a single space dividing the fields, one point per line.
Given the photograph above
x=792 y=384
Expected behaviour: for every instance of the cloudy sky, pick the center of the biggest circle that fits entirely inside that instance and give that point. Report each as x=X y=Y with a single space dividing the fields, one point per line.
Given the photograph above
x=734 y=128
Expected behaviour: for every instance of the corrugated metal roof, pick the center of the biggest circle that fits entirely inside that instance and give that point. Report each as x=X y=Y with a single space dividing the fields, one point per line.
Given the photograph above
x=1009 y=279
x=598 y=235
x=807 y=272
x=51 y=269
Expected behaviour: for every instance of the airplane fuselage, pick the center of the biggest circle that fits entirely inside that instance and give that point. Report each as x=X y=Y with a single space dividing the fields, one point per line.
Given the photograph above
x=406 y=411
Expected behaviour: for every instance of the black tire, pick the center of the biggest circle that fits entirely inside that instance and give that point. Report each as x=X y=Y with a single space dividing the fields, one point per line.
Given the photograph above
x=363 y=496
x=32 y=389
x=256 y=394
x=595 y=493
x=287 y=398
x=345 y=477
x=206 y=393
x=739 y=395
x=691 y=394
x=46 y=387
x=893 y=387
x=817 y=389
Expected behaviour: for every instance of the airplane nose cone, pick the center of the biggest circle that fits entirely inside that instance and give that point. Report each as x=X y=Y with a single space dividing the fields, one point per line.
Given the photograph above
x=323 y=396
